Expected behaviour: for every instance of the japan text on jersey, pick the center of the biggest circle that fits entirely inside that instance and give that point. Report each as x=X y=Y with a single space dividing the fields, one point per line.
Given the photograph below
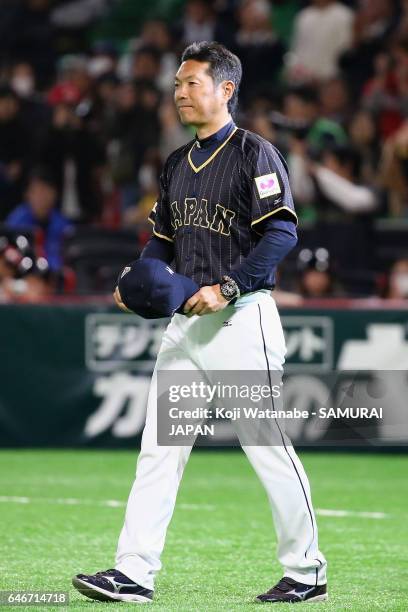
x=214 y=213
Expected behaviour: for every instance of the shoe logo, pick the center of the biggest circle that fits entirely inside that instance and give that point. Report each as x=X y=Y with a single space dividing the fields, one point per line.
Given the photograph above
x=227 y=324
x=301 y=594
x=118 y=585
x=125 y=271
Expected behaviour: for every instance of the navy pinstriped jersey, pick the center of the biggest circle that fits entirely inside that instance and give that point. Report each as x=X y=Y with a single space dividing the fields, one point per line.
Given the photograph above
x=214 y=214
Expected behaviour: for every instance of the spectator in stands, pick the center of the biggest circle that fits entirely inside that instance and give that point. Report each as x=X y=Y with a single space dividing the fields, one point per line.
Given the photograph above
x=333 y=183
x=146 y=65
x=22 y=80
x=316 y=278
x=148 y=180
x=374 y=21
x=35 y=112
x=322 y=32
x=344 y=207
x=337 y=179
x=403 y=20
x=198 y=22
x=135 y=129
x=32 y=282
x=382 y=96
x=100 y=109
x=258 y=47
x=258 y=120
x=26 y=32
x=103 y=60
x=103 y=108
x=38 y=213
x=155 y=34
x=106 y=93
x=10 y=257
x=374 y=24
x=23 y=277
x=14 y=144
x=75 y=156
x=123 y=131
x=334 y=100
x=364 y=138
x=73 y=71
x=394 y=171
x=71 y=18
x=302 y=119
x=35 y=282
x=172 y=133
x=398 y=280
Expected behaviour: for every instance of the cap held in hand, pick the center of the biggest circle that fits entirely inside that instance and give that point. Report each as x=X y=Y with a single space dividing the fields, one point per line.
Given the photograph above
x=151 y=289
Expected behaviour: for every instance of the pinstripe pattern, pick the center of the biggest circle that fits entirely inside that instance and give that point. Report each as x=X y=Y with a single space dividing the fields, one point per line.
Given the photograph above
x=208 y=246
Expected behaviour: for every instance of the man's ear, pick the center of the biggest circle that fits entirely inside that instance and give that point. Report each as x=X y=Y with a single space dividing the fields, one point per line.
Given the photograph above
x=229 y=88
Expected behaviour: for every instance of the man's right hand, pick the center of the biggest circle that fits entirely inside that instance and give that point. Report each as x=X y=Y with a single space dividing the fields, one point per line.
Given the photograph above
x=118 y=299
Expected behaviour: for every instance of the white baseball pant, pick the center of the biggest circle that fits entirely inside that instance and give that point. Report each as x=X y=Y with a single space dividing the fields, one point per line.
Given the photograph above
x=253 y=340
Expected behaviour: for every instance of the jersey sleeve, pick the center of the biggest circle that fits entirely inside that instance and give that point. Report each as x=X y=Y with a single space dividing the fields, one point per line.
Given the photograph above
x=159 y=216
x=268 y=185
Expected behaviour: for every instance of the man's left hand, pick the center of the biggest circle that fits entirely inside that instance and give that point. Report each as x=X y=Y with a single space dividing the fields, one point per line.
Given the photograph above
x=206 y=300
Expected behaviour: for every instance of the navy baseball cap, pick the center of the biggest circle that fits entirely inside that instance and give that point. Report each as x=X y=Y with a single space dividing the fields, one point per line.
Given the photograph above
x=151 y=289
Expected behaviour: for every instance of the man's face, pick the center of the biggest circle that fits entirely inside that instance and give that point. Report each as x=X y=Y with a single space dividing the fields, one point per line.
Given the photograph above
x=8 y=108
x=295 y=107
x=41 y=197
x=6 y=271
x=198 y=99
x=315 y=283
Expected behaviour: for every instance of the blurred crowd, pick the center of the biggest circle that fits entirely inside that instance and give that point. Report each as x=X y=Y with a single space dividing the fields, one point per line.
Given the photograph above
x=86 y=124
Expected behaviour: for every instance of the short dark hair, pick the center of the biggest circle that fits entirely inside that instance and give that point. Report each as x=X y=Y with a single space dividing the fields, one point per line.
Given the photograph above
x=306 y=93
x=224 y=65
x=154 y=52
x=44 y=175
x=346 y=154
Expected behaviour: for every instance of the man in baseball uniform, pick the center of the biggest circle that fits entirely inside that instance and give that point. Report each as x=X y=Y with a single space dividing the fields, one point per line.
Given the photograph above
x=225 y=218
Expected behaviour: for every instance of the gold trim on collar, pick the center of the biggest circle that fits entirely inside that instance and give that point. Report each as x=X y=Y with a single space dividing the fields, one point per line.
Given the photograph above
x=211 y=156
x=162 y=236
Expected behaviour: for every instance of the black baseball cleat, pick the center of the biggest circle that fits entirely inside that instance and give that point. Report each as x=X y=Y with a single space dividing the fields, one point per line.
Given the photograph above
x=289 y=591
x=111 y=585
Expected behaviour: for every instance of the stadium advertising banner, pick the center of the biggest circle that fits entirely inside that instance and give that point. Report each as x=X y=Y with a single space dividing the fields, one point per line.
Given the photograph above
x=75 y=376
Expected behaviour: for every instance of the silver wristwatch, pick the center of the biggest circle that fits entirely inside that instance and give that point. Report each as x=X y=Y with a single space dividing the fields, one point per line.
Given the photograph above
x=229 y=288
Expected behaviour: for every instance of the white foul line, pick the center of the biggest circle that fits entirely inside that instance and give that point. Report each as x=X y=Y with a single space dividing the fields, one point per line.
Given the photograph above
x=114 y=503
x=352 y=513
x=71 y=501
x=66 y=501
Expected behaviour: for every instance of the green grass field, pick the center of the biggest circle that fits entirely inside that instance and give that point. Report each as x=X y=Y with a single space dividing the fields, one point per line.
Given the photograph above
x=220 y=550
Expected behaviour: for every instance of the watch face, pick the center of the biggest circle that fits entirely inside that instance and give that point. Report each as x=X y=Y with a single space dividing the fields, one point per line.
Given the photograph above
x=228 y=290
